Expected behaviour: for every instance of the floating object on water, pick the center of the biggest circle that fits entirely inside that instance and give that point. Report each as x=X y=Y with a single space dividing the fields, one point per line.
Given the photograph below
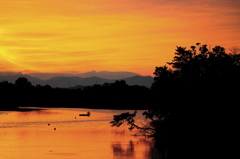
x=88 y=114
x=55 y=128
x=48 y=124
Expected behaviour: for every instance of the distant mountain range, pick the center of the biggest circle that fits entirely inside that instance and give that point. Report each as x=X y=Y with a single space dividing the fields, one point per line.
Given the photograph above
x=101 y=74
x=76 y=81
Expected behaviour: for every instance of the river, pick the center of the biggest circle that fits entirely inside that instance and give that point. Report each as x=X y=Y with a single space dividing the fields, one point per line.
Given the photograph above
x=50 y=133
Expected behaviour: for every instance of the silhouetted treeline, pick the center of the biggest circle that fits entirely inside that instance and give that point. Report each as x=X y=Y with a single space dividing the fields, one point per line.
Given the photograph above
x=195 y=109
x=116 y=95
x=200 y=92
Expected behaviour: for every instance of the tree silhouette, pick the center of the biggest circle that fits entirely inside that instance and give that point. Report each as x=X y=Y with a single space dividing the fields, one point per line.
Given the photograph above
x=199 y=64
x=193 y=96
x=235 y=50
x=117 y=95
x=23 y=82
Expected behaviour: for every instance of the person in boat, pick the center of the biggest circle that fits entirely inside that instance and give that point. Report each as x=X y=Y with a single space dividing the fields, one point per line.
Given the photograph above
x=88 y=113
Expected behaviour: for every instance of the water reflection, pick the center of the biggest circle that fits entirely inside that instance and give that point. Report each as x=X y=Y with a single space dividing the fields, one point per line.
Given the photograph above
x=35 y=111
x=154 y=152
x=130 y=149
x=123 y=151
x=31 y=134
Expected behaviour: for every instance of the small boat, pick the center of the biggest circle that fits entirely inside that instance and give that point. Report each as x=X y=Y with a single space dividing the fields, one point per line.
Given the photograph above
x=88 y=114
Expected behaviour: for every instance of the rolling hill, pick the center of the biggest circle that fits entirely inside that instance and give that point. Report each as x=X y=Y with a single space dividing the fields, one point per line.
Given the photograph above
x=73 y=81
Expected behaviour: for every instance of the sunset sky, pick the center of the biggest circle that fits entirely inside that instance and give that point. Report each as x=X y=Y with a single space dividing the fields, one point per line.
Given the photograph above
x=75 y=36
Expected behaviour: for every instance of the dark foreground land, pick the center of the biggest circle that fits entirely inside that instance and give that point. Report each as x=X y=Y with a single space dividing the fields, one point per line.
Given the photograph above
x=116 y=95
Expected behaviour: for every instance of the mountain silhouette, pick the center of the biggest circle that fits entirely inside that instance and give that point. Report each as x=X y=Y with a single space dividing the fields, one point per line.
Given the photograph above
x=13 y=77
x=139 y=80
x=66 y=82
x=101 y=74
x=75 y=81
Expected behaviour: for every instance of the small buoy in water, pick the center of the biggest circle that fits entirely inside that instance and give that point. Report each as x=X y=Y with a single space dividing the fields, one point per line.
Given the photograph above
x=55 y=129
x=48 y=124
x=75 y=117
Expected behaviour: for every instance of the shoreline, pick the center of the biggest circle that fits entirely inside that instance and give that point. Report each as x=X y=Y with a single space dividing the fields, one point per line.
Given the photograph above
x=41 y=108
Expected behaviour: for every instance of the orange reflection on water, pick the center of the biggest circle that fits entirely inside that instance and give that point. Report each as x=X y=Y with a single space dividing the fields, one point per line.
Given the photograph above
x=120 y=151
x=62 y=133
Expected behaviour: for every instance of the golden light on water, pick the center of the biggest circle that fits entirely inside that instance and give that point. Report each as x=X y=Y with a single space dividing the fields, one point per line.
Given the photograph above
x=32 y=134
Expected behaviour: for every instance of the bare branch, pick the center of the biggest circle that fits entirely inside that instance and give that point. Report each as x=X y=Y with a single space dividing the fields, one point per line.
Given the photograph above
x=234 y=50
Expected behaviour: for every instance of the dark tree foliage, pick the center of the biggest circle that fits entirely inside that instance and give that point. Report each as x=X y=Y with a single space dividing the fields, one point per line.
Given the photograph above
x=23 y=82
x=116 y=95
x=154 y=118
x=193 y=98
x=200 y=64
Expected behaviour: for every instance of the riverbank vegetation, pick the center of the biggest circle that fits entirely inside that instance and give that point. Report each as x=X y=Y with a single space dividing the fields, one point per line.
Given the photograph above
x=195 y=109
x=117 y=95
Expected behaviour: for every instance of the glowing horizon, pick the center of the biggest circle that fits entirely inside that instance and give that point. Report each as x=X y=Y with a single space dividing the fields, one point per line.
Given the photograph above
x=78 y=36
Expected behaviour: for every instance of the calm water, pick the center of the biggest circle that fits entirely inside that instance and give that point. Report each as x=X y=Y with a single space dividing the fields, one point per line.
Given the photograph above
x=27 y=134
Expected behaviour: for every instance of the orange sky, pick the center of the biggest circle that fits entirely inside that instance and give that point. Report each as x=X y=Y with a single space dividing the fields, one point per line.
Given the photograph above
x=109 y=35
